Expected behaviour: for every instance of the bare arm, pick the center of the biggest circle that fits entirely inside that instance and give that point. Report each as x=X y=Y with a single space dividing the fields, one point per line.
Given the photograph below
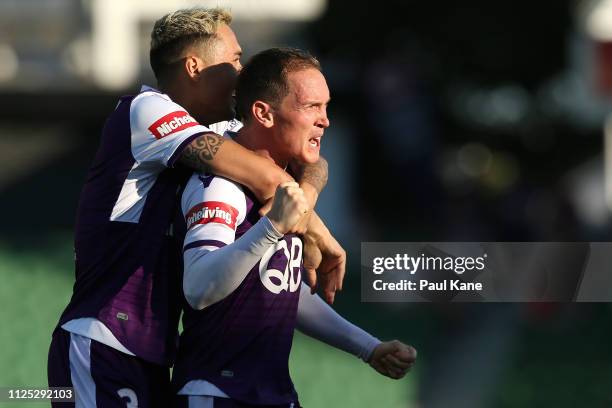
x=222 y=156
x=312 y=177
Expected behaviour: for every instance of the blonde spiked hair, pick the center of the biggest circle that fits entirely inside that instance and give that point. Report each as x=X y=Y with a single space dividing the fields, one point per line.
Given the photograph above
x=175 y=32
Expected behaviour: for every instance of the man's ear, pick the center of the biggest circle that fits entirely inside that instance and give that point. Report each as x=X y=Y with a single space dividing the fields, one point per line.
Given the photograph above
x=191 y=66
x=262 y=112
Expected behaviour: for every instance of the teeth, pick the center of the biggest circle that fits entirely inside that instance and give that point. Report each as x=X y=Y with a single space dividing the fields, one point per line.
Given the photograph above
x=315 y=141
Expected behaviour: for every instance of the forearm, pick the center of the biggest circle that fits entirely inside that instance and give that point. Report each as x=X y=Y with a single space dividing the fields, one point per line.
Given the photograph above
x=317 y=231
x=222 y=156
x=318 y=320
x=314 y=174
x=210 y=276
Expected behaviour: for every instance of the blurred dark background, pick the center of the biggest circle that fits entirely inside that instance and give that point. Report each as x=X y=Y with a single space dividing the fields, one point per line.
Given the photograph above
x=450 y=121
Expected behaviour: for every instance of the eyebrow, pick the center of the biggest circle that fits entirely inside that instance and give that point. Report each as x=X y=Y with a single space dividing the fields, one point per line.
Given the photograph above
x=317 y=103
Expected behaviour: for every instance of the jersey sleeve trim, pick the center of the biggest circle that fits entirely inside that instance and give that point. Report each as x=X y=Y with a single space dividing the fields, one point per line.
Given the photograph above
x=204 y=242
x=179 y=150
x=160 y=129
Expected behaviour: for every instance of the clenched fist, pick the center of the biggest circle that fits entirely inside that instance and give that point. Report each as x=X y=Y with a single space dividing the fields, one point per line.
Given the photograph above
x=393 y=358
x=288 y=207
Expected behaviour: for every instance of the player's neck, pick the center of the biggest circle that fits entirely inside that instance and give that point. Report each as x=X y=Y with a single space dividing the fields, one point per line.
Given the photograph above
x=183 y=97
x=173 y=90
x=254 y=140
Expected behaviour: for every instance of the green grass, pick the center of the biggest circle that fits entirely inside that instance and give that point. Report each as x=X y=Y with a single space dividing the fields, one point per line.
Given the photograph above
x=36 y=286
x=562 y=360
x=564 y=363
x=34 y=291
x=326 y=377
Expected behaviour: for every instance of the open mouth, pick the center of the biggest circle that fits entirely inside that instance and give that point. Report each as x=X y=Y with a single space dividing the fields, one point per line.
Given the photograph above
x=315 y=141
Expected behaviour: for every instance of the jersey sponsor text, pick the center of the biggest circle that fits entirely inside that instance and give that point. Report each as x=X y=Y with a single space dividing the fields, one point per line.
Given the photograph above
x=172 y=122
x=212 y=211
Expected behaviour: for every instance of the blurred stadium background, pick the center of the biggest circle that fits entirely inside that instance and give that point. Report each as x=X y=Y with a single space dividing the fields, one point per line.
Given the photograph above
x=474 y=121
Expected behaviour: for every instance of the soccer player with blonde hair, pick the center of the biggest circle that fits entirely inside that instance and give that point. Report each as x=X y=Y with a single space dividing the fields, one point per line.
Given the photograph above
x=117 y=337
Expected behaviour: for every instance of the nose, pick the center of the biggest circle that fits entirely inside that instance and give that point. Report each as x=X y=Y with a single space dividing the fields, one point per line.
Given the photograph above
x=323 y=121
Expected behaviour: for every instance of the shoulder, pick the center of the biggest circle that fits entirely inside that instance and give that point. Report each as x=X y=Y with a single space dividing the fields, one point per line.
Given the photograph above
x=150 y=103
x=213 y=184
x=157 y=113
x=221 y=128
x=214 y=190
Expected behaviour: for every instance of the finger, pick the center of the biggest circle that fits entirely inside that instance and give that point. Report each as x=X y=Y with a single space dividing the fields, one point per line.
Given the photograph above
x=302 y=205
x=380 y=368
x=396 y=346
x=397 y=363
x=406 y=353
x=399 y=375
x=394 y=373
x=295 y=190
x=328 y=286
x=330 y=295
x=339 y=273
x=288 y=184
x=310 y=276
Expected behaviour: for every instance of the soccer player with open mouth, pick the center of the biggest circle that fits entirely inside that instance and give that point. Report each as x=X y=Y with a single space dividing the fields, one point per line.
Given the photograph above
x=117 y=338
x=242 y=281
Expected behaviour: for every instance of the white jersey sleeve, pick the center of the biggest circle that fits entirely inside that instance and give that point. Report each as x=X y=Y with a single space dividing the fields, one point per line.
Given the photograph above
x=160 y=128
x=215 y=262
x=213 y=207
x=317 y=319
x=222 y=128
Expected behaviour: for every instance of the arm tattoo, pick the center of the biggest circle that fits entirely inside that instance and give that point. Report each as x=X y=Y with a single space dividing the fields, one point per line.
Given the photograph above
x=199 y=153
x=314 y=174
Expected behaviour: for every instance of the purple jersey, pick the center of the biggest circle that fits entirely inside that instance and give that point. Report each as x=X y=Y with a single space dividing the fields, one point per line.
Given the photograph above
x=240 y=344
x=126 y=261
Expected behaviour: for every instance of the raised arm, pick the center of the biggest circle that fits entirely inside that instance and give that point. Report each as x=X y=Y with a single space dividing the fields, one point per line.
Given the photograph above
x=216 y=154
x=212 y=274
x=212 y=153
x=312 y=177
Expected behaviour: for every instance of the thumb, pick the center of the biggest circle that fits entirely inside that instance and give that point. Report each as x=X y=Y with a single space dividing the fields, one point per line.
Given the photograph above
x=396 y=346
x=266 y=207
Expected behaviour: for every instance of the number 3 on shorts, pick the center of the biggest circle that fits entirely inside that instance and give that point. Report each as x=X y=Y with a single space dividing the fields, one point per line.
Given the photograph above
x=132 y=400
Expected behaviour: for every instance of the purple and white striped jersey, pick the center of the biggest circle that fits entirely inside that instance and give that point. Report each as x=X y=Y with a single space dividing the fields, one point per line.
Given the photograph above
x=240 y=344
x=126 y=260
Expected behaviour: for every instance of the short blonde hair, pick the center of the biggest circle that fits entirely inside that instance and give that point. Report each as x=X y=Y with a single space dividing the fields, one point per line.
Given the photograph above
x=175 y=32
